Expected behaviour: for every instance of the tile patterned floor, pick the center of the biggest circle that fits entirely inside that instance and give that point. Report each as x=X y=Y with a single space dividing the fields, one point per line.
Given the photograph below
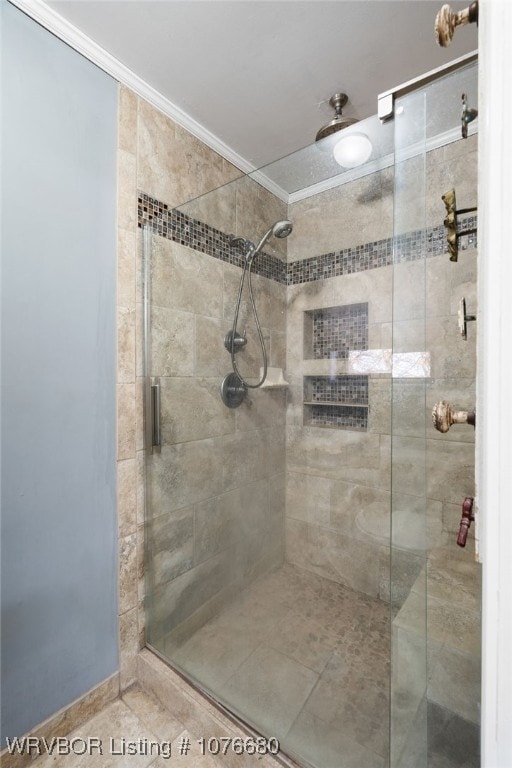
x=136 y=719
x=304 y=659
x=301 y=658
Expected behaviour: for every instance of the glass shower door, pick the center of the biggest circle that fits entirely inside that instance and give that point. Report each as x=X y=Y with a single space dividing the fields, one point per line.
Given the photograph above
x=409 y=370
x=289 y=540
x=216 y=589
x=435 y=584
x=274 y=609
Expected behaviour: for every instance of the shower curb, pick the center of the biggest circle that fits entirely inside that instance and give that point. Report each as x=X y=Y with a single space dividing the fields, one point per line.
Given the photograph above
x=196 y=711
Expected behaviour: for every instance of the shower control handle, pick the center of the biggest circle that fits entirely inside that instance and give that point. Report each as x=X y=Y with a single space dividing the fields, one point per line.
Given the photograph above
x=443 y=416
x=466 y=520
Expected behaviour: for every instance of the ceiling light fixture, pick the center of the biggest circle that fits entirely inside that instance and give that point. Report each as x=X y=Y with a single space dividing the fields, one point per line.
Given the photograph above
x=349 y=149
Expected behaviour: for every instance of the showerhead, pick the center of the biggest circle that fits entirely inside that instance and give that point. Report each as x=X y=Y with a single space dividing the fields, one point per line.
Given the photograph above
x=282 y=228
x=338 y=123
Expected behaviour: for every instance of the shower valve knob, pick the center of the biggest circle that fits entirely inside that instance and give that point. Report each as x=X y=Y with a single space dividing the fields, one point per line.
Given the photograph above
x=443 y=416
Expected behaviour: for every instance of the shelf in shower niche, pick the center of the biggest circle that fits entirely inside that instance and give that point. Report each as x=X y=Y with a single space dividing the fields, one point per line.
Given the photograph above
x=335 y=404
x=336 y=416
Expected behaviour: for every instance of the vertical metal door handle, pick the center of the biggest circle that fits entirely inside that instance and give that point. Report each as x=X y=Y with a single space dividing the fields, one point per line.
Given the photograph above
x=155 y=414
x=152 y=429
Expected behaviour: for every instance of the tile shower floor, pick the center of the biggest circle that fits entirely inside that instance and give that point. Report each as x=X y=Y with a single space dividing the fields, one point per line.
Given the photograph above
x=306 y=660
x=311 y=660
x=307 y=657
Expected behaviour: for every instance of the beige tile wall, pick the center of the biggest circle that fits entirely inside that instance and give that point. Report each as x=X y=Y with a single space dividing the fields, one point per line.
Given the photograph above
x=166 y=162
x=204 y=441
x=358 y=212
x=244 y=208
x=339 y=481
x=215 y=519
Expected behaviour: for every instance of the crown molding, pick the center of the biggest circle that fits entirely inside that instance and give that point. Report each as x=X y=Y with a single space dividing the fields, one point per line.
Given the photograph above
x=41 y=13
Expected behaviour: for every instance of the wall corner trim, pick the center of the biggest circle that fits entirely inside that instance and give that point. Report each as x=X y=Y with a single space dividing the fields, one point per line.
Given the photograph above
x=494 y=354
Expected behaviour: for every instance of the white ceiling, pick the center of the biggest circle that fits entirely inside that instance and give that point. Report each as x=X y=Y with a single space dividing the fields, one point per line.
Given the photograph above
x=258 y=74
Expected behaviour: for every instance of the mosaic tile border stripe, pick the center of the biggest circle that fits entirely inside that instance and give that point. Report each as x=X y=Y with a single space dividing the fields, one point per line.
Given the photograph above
x=381 y=253
x=176 y=226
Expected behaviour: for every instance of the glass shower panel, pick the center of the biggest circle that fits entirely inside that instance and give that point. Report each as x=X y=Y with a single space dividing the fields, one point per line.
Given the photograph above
x=267 y=584
x=215 y=484
x=410 y=368
x=218 y=591
x=435 y=584
x=453 y=573
x=292 y=542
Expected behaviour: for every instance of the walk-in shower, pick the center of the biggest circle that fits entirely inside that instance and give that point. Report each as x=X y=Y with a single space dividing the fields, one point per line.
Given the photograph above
x=302 y=567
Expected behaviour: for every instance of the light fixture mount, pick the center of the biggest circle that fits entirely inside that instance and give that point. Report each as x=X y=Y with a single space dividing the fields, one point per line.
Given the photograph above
x=349 y=149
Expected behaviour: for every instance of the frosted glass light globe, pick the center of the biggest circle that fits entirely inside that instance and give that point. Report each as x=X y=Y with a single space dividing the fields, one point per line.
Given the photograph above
x=352 y=150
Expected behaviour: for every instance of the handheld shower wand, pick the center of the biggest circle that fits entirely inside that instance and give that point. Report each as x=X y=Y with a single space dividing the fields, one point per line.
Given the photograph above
x=234 y=386
x=280 y=230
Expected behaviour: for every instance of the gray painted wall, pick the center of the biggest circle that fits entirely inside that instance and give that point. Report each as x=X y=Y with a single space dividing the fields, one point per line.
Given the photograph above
x=59 y=583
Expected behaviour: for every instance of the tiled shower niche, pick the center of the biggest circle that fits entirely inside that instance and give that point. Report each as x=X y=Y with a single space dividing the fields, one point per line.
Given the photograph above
x=332 y=332
x=336 y=401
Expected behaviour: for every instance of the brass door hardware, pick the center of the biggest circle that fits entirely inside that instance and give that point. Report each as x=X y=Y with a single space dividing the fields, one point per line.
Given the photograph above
x=450 y=222
x=443 y=416
x=447 y=21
